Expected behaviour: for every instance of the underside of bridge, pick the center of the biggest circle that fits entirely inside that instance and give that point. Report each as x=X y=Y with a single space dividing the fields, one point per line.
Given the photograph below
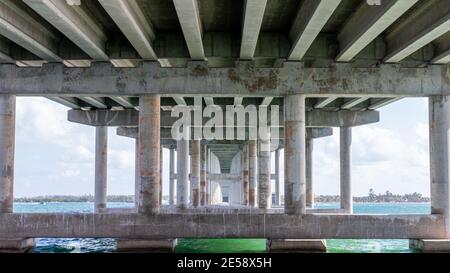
x=311 y=65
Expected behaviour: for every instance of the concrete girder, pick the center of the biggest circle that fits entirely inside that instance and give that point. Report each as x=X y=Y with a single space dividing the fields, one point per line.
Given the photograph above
x=318 y=132
x=324 y=102
x=189 y=17
x=75 y=24
x=253 y=17
x=366 y=24
x=209 y=225
x=442 y=52
x=124 y=101
x=102 y=79
x=129 y=17
x=382 y=103
x=353 y=103
x=129 y=118
x=21 y=28
x=66 y=101
x=429 y=22
x=95 y=102
x=310 y=19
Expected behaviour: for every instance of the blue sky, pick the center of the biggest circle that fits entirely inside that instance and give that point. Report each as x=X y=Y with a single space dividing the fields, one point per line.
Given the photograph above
x=54 y=156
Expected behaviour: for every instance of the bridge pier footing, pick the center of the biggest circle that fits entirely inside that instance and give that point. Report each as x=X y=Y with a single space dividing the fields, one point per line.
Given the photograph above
x=427 y=245
x=145 y=245
x=19 y=245
x=296 y=245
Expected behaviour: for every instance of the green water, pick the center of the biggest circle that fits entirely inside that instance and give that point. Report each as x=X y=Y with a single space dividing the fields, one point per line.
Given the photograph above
x=76 y=245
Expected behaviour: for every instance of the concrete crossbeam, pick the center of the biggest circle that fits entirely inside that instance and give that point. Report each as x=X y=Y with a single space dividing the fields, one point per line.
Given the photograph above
x=102 y=79
x=129 y=118
x=75 y=24
x=311 y=18
x=253 y=225
x=367 y=23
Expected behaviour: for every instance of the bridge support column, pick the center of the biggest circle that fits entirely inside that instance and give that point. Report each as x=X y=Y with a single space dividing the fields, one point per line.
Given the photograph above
x=252 y=171
x=245 y=176
x=309 y=172
x=195 y=173
x=149 y=154
x=148 y=246
x=182 y=173
x=101 y=168
x=7 y=141
x=294 y=155
x=203 y=172
x=277 y=177
x=264 y=172
x=345 y=169
x=161 y=176
x=296 y=246
x=208 y=181
x=172 y=178
x=137 y=174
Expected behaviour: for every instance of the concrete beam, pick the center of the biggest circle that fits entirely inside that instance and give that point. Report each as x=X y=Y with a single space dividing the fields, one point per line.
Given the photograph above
x=124 y=101
x=189 y=17
x=383 y=102
x=66 y=101
x=129 y=118
x=20 y=27
x=253 y=17
x=102 y=79
x=311 y=18
x=442 y=53
x=75 y=24
x=129 y=17
x=429 y=22
x=324 y=102
x=367 y=23
x=95 y=102
x=253 y=225
x=352 y=103
x=318 y=132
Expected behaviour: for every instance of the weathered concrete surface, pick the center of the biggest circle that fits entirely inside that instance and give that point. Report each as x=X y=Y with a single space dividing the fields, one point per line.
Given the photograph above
x=197 y=78
x=142 y=245
x=172 y=176
x=245 y=176
x=277 y=178
x=7 y=138
x=149 y=145
x=346 y=197
x=264 y=173
x=252 y=172
x=430 y=245
x=15 y=245
x=182 y=173
x=309 y=186
x=195 y=173
x=203 y=174
x=101 y=167
x=137 y=173
x=296 y=245
x=314 y=118
x=439 y=122
x=274 y=226
x=294 y=155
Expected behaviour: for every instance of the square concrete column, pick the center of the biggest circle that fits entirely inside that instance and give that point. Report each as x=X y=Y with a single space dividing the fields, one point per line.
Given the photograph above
x=7 y=139
x=345 y=168
x=101 y=168
x=182 y=173
x=137 y=173
x=294 y=155
x=309 y=172
x=195 y=173
x=161 y=176
x=277 y=177
x=172 y=176
x=245 y=178
x=264 y=173
x=252 y=172
x=203 y=172
x=149 y=147
x=439 y=122
x=208 y=181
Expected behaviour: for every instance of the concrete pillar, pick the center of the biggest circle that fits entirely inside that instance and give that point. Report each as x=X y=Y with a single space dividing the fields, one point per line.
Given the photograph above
x=16 y=245
x=161 y=160
x=309 y=173
x=345 y=167
x=7 y=138
x=245 y=178
x=101 y=167
x=149 y=147
x=172 y=177
x=277 y=177
x=182 y=173
x=195 y=173
x=294 y=155
x=252 y=172
x=264 y=173
x=137 y=174
x=203 y=171
x=439 y=122
x=208 y=181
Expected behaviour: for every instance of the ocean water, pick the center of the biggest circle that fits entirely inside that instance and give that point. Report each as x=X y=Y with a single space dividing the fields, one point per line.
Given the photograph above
x=76 y=245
